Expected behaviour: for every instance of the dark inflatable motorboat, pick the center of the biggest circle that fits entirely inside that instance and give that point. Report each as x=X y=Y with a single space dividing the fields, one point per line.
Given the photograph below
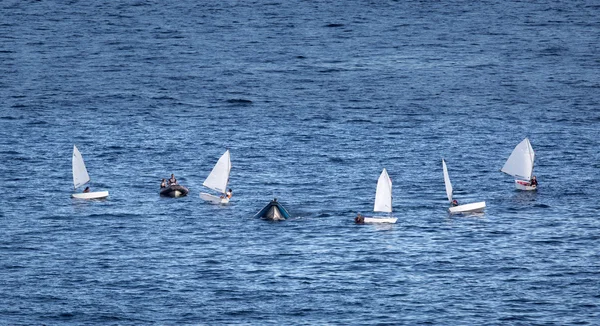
x=274 y=211
x=174 y=191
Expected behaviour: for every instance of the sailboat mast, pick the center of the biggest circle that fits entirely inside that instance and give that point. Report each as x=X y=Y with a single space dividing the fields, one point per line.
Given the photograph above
x=531 y=156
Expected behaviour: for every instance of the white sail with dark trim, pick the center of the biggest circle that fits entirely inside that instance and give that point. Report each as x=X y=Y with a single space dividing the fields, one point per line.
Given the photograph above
x=447 y=181
x=80 y=174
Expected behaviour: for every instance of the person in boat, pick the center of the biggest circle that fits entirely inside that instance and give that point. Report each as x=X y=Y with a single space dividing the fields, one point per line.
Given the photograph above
x=163 y=184
x=86 y=190
x=454 y=202
x=359 y=219
x=533 y=181
x=228 y=194
x=172 y=181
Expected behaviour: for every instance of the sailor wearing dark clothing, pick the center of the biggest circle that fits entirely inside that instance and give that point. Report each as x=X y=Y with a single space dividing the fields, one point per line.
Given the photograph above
x=534 y=181
x=172 y=181
x=359 y=219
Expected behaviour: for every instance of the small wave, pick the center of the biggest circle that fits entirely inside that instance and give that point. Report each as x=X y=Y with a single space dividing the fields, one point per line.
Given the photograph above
x=324 y=71
x=163 y=97
x=9 y=117
x=553 y=50
x=139 y=4
x=38 y=122
x=66 y=315
x=334 y=25
x=359 y=120
x=513 y=268
x=116 y=215
x=181 y=78
x=542 y=205
x=239 y=101
x=548 y=242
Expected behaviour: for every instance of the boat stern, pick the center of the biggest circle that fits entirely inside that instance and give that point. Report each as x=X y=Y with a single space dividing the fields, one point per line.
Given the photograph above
x=524 y=185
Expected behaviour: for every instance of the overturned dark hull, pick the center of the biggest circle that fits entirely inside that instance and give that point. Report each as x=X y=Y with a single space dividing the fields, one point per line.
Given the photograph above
x=274 y=211
x=174 y=191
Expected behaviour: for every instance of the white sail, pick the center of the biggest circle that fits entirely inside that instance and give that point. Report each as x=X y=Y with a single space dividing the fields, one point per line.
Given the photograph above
x=447 y=181
x=520 y=161
x=80 y=174
x=383 y=196
x=219 y=176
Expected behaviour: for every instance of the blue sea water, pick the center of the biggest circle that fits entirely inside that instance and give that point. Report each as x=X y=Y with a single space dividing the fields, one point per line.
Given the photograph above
x=314 y=99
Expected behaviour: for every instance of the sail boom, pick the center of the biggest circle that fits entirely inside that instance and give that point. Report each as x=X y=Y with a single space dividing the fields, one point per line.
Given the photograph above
x=219 y=190
x=80 y=184
x=520 y=177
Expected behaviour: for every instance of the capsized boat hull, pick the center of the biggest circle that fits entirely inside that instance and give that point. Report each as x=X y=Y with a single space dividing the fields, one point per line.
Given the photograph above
x=390 y=220
x=468 y=208
x=217 y=200
x=174 y=191
x=274 y=211
x=524 y=185
x=91 y=195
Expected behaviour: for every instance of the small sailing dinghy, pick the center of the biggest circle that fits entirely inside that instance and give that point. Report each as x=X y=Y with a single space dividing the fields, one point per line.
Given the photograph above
x=520 y=166
x=81 y=177
x=383 y=201
x=466 y=208
x=217 y=180
x=274 y=211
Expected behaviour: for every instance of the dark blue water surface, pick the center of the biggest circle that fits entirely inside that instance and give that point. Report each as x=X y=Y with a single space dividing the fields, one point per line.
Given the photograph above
x=314 y=99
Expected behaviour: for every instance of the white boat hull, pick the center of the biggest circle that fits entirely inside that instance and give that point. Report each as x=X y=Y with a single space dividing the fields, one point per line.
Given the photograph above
x=468 y=208
x=214 y=199
x=524 y=185
x=91 y=195
x=390 y=220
